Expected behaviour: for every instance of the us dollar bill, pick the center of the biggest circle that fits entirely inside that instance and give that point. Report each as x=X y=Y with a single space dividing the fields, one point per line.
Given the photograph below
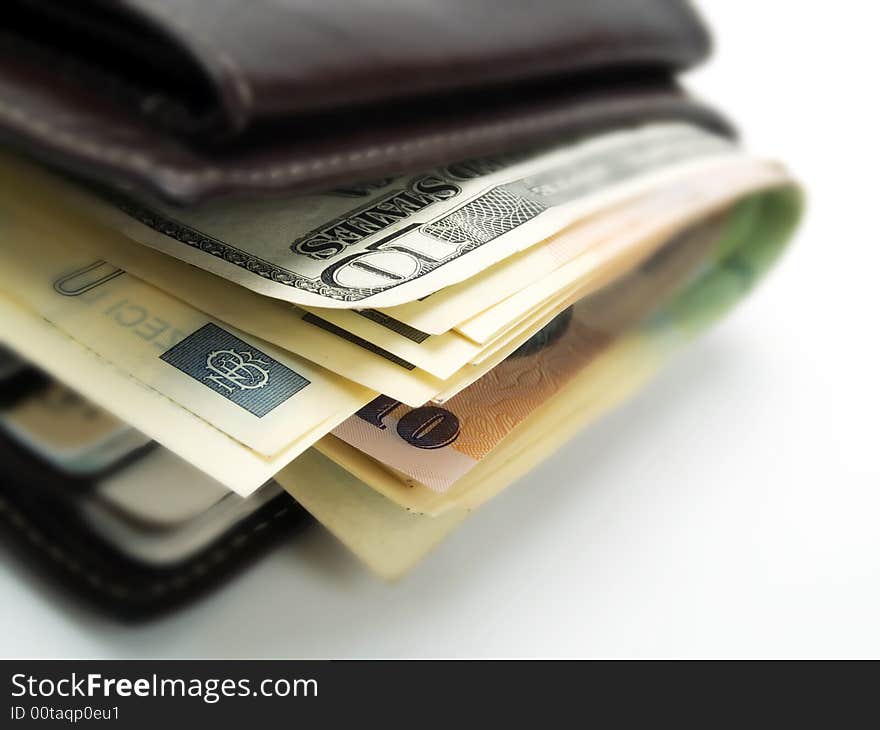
x=696 y=189
x=400 y=239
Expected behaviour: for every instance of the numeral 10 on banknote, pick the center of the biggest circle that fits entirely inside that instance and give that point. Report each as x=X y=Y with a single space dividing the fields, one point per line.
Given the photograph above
x=426 y=427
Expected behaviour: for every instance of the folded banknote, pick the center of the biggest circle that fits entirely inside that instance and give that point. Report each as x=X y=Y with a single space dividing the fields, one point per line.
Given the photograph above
x=247 y=274
x=392 y=353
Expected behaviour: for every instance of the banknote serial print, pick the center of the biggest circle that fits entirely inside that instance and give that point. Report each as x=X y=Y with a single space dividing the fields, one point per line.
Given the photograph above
x=235 y=369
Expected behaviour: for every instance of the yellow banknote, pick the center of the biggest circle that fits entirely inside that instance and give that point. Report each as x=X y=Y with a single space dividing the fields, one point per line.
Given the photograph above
x=228 y=461
x=265 y=399
x=614 y=375
x=303 y=333
x=387 y=538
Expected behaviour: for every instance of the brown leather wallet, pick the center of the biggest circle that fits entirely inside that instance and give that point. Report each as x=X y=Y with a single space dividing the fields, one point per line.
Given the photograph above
x=191 y=99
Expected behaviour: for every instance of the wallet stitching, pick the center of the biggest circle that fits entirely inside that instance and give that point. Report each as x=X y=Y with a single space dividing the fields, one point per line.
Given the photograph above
x=121 y=155
x=217 y=556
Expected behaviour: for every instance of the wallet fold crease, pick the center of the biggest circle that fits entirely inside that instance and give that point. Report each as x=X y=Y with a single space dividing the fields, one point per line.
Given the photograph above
x=194 y=99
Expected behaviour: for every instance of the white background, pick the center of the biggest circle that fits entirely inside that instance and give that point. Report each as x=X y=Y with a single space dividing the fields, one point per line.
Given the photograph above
x=732 y=509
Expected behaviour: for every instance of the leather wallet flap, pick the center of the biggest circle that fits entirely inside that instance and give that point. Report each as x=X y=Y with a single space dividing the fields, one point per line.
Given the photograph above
x=190 y=98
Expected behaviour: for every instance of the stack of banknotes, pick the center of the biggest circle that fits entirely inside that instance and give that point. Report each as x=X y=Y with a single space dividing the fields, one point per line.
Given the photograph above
x=394 y=353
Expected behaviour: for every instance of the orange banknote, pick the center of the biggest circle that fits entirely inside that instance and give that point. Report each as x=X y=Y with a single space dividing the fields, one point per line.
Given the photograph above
x=437 y=445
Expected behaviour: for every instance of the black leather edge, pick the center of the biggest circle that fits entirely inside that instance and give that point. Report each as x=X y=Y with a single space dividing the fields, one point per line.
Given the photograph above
x=41 y=524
